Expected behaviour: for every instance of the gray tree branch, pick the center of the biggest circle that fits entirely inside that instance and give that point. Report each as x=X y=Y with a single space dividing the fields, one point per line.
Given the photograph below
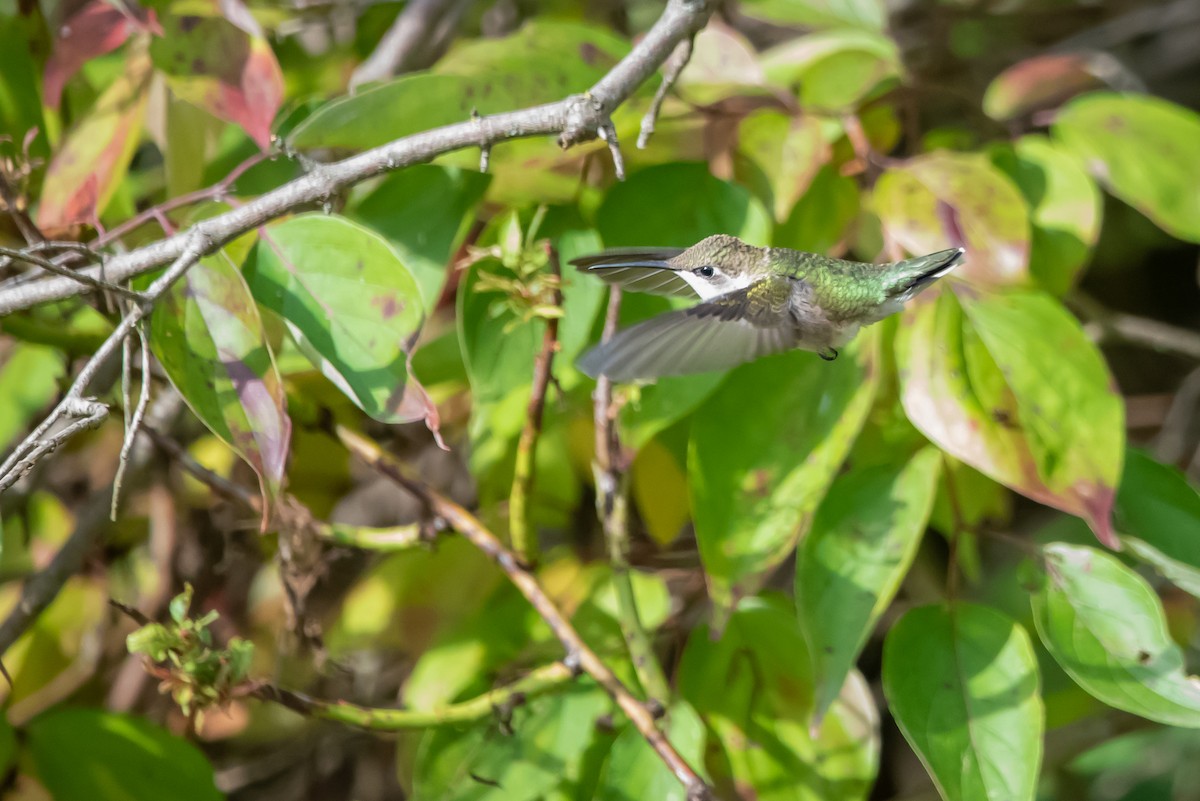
x=576 y=119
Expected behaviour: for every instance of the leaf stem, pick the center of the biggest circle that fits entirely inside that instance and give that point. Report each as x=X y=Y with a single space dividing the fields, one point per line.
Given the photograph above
x=612 y=507
x=524 y=541
x=500 y=701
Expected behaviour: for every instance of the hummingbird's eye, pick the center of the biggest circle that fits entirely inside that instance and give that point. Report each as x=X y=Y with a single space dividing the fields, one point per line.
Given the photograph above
x=705 y=272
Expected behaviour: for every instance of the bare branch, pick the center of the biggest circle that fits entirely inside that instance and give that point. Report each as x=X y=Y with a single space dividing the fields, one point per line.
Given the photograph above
x=22 y=460
x=134 y=421
x=577 y=651
x=83 y=278
x=576 y=119
x=671 y=70
x=1105 y=325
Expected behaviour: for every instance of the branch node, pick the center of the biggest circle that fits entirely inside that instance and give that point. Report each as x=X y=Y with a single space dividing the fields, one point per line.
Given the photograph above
x=574 y=663
x=608 y=133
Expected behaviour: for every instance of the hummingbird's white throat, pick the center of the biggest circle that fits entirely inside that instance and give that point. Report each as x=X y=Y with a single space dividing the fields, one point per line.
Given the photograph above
x=718 y=284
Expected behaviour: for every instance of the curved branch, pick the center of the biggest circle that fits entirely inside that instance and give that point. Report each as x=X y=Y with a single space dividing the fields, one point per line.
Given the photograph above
x=576 y=119
x=578 y=655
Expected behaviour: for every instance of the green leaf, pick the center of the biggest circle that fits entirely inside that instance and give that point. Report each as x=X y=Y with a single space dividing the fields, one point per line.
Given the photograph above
x=834 y=70
x=1145 y=150
x=543 y=62
x=93 y=159
x=1158 y=515
x=546 y=751
x=88 y=755
x=849 y=567
x=764 y=449
x=869 y=14
x=8 y=745
x=1105 y=627
x=352 y=306
x=1065 y=205
x=207 y=334
x=754 y=690
x=650 y=209
x=465 y=657
x=929 y=201
x=962 y=682
x=635 y=771
x=1015 y=389
x=20 y=100
x=424 y=211
x=29 y=376
x=788 y=151
x=822 y=217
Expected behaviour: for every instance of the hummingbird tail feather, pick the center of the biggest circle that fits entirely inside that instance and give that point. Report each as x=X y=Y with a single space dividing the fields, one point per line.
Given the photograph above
x=919 y=273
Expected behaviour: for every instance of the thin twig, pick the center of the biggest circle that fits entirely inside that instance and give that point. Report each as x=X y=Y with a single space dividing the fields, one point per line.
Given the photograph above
x=671 y=70
x=578 y=653
x=12 y=204
x=133 y=422
x=1105 y=325
x=498 y=702
x=33 y=447
x=415 y=40
x=523 y=540
x=83 y=278
x=612 y=507
x=576 y=119
x=41 y=589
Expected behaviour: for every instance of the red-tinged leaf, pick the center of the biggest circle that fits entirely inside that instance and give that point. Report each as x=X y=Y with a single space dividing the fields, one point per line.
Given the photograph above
x=92 y=31
x=94 y=156
x=209 y=338
x=223 y=68
x=946 y=199
x=1009 y=384
x=1044 y=82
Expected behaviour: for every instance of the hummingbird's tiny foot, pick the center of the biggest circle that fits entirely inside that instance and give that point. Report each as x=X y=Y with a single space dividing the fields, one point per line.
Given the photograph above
x=829 y=354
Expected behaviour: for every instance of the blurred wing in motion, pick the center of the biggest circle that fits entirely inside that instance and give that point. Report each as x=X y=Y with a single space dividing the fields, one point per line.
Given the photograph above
x=638 y=270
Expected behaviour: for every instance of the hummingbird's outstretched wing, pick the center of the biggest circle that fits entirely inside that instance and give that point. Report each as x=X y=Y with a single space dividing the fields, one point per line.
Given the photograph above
x=638 y=270
x=724 y=332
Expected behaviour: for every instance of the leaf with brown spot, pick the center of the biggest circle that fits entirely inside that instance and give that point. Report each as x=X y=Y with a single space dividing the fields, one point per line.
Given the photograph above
x=352 y=306
x=1058 y=437
x=94 y=156
x=223 y=67
x=930 y=201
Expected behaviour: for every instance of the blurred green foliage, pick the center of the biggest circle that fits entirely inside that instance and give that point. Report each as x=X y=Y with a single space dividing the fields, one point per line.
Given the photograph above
x=839 y=564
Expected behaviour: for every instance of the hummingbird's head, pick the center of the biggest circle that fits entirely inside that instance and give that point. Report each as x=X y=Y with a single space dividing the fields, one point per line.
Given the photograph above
x=718 y=264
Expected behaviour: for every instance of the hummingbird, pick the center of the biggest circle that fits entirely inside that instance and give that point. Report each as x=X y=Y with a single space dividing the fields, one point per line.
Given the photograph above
x=754 y=302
